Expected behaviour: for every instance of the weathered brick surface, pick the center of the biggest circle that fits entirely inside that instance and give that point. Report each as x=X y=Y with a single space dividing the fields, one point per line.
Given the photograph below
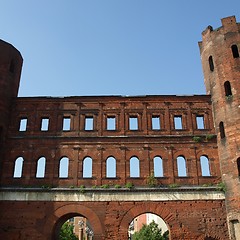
x=199 y=219
x=99 y=144
x=218 y=44
x=110 y=220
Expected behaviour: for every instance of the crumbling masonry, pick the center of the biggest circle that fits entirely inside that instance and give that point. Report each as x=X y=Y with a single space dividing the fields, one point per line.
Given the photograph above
x=62 y=157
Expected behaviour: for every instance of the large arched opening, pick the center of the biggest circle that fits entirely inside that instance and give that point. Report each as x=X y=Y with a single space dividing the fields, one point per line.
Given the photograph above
x=85 y=219
x=148 y=225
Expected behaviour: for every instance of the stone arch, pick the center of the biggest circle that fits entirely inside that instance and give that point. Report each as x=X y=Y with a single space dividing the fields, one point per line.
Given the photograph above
x=60 y=215
x=135 y=211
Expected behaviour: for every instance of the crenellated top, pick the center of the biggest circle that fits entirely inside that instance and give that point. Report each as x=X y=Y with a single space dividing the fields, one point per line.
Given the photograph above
x=229 y=25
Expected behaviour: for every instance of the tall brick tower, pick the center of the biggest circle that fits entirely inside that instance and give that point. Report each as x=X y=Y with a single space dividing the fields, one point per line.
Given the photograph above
x=10 y=72
x=220 y=50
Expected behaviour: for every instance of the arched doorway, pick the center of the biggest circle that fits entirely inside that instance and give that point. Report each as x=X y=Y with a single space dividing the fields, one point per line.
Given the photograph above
x=150 y=224
x=76 y=227
x=67 y=211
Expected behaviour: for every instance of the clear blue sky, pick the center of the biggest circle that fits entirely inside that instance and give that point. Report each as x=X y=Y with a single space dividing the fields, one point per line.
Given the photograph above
x=110 y=47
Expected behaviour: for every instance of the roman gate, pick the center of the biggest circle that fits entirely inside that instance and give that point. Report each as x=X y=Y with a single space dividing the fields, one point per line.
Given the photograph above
x=108 y=159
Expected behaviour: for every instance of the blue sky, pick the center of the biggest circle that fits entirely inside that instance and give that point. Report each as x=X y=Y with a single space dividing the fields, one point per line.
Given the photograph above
x=110 y=47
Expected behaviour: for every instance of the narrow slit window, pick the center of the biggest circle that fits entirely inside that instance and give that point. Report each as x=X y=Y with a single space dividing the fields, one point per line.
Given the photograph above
x=45 y=124
x=133 y=123
x=41 y=164
x=222 y=130
x=134 y=167
x=228 y=90
x=111 y=167
x=156 y=123
x=205 y=167
x=88 y=123
x=87 y=167
x=18 y=168
x=178 y=122
x=66 y=124
x=23 y=125
x=158 y=167
x=181 y=166
x=111 y=123
x=238 y=166
x=211 y=65
x=235 y=52
x=63 y=167
x=200 y=121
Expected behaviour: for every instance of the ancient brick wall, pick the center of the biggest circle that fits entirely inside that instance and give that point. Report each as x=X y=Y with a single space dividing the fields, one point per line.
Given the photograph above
x=110 y=220
x=221 y=66
x=42 y=136
x=122 y=143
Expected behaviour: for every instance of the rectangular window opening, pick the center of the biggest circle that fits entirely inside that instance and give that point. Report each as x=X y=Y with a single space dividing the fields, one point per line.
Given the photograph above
x=66 y=123
x=133 y=123
x=156 y=124
x=23 y=125
x=111 y=123
x=200 y=122
x=88 y=123
x=178 y=122
x=45 y=124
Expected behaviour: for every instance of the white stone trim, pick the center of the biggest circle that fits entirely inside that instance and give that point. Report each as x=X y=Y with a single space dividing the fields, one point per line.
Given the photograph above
x=108 y=195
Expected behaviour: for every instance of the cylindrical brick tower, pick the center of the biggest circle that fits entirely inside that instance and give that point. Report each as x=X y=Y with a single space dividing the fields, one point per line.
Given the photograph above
x=10 y=72
x=220 y=51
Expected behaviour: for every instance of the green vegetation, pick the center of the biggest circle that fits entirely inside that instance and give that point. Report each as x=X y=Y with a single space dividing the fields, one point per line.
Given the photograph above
x=46 y=186
x=151 y=232
x=66 y=232
x=197 y=139
x=209 y=136
x=174 y=185
x=221 y=187
x=151 y=180
x=82 y=188
x=105 y=186
x=117 y=186
x=129 y=185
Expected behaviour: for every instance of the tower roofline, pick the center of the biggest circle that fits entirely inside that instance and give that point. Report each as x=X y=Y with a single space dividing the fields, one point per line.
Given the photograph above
x=229 y=24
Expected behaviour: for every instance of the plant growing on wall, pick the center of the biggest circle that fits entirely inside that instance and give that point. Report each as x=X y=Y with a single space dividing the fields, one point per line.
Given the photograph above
x=151 y=180
x=129 y=185
x=197 y=139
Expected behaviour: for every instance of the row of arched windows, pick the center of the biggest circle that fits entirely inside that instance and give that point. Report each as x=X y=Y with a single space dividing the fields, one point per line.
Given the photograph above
x=111 y=167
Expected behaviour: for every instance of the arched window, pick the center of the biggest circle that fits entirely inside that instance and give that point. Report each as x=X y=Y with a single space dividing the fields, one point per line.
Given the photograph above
x=63 y=167
x=111 y=167
x=238 y=166
x=18 y=167
x=211 y=65
x=205 y=167
x=87 y=167
x=134 y=167
x=227 y=87
x=158 y=166
x=181 y=166
x=235 y=52
x=222 y=130
x=41 y=165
